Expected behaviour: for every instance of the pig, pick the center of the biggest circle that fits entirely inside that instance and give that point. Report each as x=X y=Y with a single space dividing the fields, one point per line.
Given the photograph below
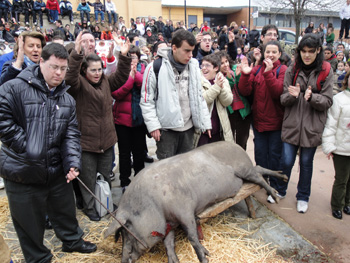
x=171 y=192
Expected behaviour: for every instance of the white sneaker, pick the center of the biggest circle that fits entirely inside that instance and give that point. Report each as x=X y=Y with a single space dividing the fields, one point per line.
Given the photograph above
x=272 y=201
x=2 y=186
x=302 y=206
x=72 y=22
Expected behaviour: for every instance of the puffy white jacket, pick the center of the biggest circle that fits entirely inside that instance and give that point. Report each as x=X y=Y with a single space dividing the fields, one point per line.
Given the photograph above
x=336 y=135
x=164 y=111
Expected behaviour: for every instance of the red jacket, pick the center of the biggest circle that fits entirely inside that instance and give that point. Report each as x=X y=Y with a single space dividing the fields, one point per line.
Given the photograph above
x=122 y=112
x=53 y=5
x=106 y=35
x=266 y=89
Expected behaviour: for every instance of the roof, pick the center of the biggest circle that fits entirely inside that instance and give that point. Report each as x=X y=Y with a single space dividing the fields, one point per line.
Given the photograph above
x=210 y=6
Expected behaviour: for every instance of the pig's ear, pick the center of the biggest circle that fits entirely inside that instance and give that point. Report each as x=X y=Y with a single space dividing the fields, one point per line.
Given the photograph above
x=113 y=227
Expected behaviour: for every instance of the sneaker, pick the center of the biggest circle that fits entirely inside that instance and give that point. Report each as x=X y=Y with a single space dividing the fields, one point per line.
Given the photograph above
x=112 y=176
x=302 y=206
x=27 y=23
x=2 y=186
x=272 y=201
x=88 y=23
x=72 y=22
x=35 y=23
x=124 y=189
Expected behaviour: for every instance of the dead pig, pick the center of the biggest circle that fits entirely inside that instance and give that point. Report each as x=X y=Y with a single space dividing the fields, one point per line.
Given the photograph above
x=173 y=191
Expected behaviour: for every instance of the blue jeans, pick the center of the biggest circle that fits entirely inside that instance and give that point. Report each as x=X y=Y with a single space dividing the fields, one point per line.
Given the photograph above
x=102 y=16
x=306 y=160
x=115 y=18
x=54 y=15
x=268 y=151
x=82 y=16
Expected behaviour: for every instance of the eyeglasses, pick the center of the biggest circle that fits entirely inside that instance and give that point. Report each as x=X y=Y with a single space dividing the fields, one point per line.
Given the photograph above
x=271 y=35
x=93 y=71
x=206 y=40
x=206 y=66
x=55 y=68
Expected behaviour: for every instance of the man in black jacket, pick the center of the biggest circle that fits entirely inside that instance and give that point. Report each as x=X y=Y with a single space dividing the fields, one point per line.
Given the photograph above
x=41 y=154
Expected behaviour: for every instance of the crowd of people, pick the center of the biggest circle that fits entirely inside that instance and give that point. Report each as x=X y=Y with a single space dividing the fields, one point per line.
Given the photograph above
x=183 y=87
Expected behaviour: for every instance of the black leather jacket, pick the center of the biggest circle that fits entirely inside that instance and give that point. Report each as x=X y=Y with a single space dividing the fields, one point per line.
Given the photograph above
x=38 y=129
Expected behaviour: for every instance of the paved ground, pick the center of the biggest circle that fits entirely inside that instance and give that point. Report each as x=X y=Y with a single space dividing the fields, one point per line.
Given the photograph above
x=281 y=225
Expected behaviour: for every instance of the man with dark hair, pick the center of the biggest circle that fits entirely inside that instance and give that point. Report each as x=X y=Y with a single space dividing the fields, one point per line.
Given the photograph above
x=160 y=24
x=168 y=29
x=171 y=97
x=331 y=58
x=41 y=154
x=268 y=33
x=203 y=46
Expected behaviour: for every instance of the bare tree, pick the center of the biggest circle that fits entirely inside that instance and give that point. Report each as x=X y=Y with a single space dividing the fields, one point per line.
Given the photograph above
x=299 y=8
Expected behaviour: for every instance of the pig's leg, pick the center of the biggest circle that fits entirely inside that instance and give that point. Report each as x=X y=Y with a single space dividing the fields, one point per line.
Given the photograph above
x=190 y=227
x=264 y=171
x=169 y=243
x=255 y=177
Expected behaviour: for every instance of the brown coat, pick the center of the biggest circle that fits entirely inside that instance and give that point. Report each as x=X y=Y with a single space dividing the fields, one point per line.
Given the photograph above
x=94 y=105
x=304 y=121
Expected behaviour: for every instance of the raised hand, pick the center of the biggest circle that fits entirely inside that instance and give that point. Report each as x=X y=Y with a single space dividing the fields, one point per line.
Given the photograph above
x=257 y=54
x=220 y=79
x=20 y=54
x=78 y=42
x=124 y=47
x=246 y=69
x=294 y=90
x=308 y=93
x=269 y=64
x=110 y=50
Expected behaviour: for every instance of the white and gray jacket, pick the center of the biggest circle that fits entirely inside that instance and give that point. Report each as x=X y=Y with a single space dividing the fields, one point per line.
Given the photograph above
x=162 y=110
x=336 y=135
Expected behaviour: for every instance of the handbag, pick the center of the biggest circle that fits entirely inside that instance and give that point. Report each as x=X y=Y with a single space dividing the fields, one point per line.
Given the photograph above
x=104 y=194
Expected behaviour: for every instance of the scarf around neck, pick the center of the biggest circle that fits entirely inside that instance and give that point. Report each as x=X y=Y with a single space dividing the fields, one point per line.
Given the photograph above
x=178 y=66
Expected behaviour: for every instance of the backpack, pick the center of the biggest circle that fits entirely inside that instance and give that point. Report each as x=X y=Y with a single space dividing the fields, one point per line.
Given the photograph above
x=277 y=71
x=326 y=67
x=156 y=67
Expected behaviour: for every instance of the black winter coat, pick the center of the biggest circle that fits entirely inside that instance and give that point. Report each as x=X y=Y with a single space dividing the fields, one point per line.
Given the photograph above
x=38 y=129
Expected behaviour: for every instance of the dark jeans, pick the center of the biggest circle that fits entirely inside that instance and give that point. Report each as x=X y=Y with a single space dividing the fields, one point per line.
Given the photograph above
x=53 y=15
x=91 y=164
x=345 y=24
x=341 y=186
x=102 y=16
x=130 y=139
x=173 y=142
x=27 y=14
x=82 y=16
x=3 y=13
x=68 y=13
x=29 y=204
x=40 y=13
x=16 y=15
x=240 y=128
x=268 y=151
x=115 y=17
x=306 y=160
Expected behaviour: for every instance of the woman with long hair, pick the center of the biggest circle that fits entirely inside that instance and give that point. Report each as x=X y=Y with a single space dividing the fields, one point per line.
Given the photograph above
x=265 y=83
x=91 y=89
x=307 y=95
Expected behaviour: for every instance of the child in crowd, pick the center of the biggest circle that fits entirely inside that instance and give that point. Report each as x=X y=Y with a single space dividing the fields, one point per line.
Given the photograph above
x=54 y=9
x=340 y=68
x=98 y=9
x=111 y=11
x=84 y=9
x=335 y=144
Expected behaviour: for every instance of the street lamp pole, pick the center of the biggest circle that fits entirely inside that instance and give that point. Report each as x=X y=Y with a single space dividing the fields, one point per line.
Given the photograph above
x=185 y=16
x=249 y=17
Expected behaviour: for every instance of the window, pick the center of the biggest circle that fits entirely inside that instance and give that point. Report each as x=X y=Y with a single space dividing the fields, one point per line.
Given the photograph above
x=192 y=19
